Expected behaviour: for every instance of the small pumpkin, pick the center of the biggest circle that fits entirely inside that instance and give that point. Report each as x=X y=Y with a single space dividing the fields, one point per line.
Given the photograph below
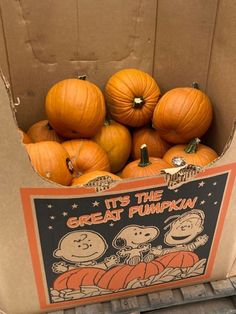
x=193 y=153
x=115 y=139
x=144 y=166
x=24 y=137
x=75 y=278
x=131 y=96
x=42 y=131
x=75 y=108
x=87 y=177
x=178 y=259
x=51 y=161
x=182 y=113
x=86 y=156
x=156 y=145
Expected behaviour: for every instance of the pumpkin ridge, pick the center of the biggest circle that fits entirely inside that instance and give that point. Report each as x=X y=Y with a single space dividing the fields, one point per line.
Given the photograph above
x=125 y=84
x=192 y=257
x=109 y=281
x=116 y=274
x=175 y=254
x=186 y=110
x=95 y=278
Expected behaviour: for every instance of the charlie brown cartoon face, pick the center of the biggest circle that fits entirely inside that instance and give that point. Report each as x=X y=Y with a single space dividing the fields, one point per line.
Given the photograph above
x=185 y=228
x=81 y=246
x=134 y=235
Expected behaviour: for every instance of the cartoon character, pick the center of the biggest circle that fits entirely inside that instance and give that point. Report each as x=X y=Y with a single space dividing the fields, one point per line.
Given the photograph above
x=82 y=248
x=133 y=241
x=181 y=232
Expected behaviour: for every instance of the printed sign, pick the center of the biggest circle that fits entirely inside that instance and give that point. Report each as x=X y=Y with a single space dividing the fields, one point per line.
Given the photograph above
x=138 y=236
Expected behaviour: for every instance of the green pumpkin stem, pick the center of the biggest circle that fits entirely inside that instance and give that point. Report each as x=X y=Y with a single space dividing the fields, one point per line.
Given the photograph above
x=138 y=102
x=195 y=85
x=192 y=146
x=144 y=159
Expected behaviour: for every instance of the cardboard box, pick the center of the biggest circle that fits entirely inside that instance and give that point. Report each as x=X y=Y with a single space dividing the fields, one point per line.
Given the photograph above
x=44 y=42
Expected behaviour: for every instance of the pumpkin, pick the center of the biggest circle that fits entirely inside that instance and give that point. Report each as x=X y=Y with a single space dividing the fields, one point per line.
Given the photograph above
x=156 y=145
x=131 y=96
x=75 y=278
x=115 y=139
x=115 y=278
x=51 y=161
x=87 y=177
x=120 y=276
x=144 y=166
x=24 y=137
x=182 y=114
x=42 y=131
x=193 y=153
x=178 y=259
x=75 y=108
x=86 y=156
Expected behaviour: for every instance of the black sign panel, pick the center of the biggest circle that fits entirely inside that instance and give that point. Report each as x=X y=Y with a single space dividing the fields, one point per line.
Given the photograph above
x=97 y=245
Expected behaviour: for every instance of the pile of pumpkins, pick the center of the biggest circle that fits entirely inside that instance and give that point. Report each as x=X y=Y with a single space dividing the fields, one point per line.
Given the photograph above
x=129 y=131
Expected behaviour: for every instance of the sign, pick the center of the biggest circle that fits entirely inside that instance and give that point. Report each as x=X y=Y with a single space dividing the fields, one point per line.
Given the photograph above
x=88 y=246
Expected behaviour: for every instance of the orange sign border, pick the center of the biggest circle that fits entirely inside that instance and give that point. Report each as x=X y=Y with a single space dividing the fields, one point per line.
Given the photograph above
x=28 y=193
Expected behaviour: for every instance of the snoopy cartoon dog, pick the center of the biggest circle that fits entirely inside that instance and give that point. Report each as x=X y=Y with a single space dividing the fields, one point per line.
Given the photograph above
x=133 y=241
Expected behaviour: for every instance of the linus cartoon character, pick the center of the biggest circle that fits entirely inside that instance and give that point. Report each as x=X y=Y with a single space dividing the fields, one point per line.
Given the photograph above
x=133 y=242
x=181 y=232
x=82 y=248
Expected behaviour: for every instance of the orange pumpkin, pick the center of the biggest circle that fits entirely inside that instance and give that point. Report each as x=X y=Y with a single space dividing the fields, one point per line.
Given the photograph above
x=86 y=156
x=51 y=161
x=24 y=137
x=145 y=166
x=156 y=145
x=182 y=114
x=42 y=131
x=115 y=139
x=75 y=278
x=120 y=276
x=131 y=97
x=75 y=108
x=85 y=178
x=193 y=153
x=178 y=259
x=113 y=279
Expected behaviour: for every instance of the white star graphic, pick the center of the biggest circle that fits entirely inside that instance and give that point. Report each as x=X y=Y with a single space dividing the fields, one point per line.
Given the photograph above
x=95 y=203
x=214 y=183
x=215 y=203
x=201 y=184
x=52 y=217
x=176 y=190
x=111 y=224
x=209 y=194
x=50 y=227
x=50 y=206
x=202 y=202
x=74 y=206
x=64 y=214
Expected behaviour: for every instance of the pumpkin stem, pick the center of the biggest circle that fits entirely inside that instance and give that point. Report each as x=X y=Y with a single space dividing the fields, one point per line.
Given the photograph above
x=144 y=160
x=195 y=85
x=82 y=77
x=48 y=125
x=191 y=148
x=107 y=122
x=138 y=102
